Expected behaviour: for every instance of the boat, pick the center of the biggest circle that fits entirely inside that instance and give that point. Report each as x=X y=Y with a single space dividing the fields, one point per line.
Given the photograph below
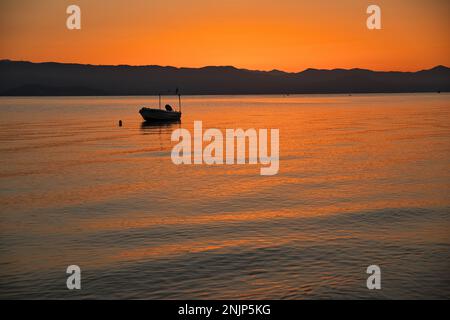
x=161 y=115
x=151 y=114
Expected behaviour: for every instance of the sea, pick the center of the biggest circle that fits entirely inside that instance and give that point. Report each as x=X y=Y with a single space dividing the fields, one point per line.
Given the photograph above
x=363 y=181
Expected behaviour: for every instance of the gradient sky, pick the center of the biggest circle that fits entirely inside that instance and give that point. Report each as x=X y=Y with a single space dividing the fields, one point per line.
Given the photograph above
x=289 y=35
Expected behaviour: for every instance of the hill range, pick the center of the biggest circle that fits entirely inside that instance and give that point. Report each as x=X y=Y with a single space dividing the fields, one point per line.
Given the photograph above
x=20 y=78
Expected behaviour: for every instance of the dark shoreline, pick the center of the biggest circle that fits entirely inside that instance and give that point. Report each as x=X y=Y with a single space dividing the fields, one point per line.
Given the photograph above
x=232 y=94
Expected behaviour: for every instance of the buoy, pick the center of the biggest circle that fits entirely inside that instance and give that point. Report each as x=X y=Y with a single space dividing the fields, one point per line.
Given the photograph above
x=120 y=123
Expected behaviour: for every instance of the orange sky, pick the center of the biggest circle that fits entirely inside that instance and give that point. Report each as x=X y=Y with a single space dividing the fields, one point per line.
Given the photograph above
x=289 y=35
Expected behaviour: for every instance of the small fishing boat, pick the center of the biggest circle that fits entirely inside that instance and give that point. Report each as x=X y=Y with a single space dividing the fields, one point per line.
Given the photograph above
x=160 y=115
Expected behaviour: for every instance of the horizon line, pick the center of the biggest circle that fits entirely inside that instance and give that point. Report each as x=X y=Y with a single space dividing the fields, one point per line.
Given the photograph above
x=216 y=66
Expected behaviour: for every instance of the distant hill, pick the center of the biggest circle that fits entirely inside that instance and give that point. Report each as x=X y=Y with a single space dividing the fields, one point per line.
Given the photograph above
x=18 y=78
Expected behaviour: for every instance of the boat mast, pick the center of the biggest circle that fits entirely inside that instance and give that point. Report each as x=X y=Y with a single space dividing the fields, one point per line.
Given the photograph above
x=160 y=101
x=179 y=102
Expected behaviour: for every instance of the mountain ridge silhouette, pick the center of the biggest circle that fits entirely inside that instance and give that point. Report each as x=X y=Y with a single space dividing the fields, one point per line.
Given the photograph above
x=23 y=78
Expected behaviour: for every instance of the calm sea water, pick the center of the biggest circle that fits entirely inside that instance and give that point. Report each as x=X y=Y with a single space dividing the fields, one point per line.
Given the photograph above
x=363 y=180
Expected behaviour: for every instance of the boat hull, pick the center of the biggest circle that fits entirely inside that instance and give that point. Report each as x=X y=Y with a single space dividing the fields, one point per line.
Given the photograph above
x=150 y=114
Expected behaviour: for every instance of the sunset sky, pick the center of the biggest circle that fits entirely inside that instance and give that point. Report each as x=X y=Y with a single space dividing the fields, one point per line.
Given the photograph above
x=289 y=35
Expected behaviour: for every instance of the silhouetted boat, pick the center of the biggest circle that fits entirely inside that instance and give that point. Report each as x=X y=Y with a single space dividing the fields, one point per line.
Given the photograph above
x=150 y=114
x=159 y=115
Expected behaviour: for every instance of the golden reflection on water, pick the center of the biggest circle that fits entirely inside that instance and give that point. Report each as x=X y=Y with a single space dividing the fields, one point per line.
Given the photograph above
x=352 y=170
